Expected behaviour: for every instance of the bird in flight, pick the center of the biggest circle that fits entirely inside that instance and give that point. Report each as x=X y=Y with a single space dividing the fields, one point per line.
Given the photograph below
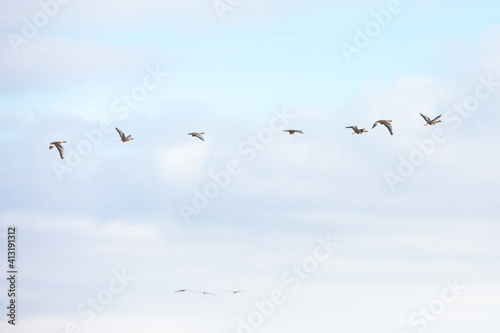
x=197 y=135
x=293 y=131
x=123 y=137
x=357 y=130
x=206 y=293
x=58 y=145
x=386 y=123
x=234 y=291
x=429 y=121
x=181 y=291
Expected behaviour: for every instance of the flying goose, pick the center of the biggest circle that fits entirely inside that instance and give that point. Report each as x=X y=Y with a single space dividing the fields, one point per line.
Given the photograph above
x=357 y=130
x=58 y=145
x=181 y=291
x=234 y=291
x=197 y=135
x=386 y=123
x=429 y=121
x=123 y=137
x=293 y=131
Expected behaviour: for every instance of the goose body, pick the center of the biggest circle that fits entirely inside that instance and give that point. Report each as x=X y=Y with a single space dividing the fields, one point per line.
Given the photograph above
x=197 y=135
x=386 y=123
x=58 y=145
x=293 y=131
x=234 y=291
x=357 y=130
x=429 y=121
x=124 y=138
x=181 y=291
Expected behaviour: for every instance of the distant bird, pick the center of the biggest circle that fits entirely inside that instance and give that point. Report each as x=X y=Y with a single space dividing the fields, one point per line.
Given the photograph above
x=197 y=135
x=429 y=121
x=234 y=291
x=386 y=123
x=292 y=131
x=58 y=145
x=357 y=130
x=181 y=291
x=206 y=293
x=123 y=137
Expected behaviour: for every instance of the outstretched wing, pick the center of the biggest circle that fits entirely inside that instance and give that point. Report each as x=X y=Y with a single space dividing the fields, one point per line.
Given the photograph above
x=388 y=125
x=122 y=135
x=60 y=148
x=354 y=128
x=198 y=135
x=427 y=119
x=433 y=120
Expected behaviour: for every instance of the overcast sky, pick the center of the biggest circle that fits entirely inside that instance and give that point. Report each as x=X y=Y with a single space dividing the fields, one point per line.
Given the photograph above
x=323 y=231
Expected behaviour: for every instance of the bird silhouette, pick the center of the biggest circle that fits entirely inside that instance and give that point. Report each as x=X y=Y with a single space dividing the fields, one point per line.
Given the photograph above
x=123 y=137
x=197 y=135
x=357 y=130
x=58 y=145
x=429 y=121
x=386 y=123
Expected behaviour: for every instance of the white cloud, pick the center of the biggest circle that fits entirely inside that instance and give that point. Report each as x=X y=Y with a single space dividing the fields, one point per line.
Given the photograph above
x=395 y=247
x=183 y=164
x=48 y=59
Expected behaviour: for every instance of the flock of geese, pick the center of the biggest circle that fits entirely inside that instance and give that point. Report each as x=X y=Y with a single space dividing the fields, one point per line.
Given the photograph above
x=126 y=138
x=387 y=123
x=206 y=292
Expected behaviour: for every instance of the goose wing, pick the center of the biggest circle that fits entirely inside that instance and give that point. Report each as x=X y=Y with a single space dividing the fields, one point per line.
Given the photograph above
x=122 y=135
x=434 y=120
x=427 y=119
x=388 y=125
x=181 y=291
x=60 y=148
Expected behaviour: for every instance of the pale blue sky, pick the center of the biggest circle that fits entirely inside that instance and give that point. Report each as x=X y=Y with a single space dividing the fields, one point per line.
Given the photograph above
x=119 y=207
